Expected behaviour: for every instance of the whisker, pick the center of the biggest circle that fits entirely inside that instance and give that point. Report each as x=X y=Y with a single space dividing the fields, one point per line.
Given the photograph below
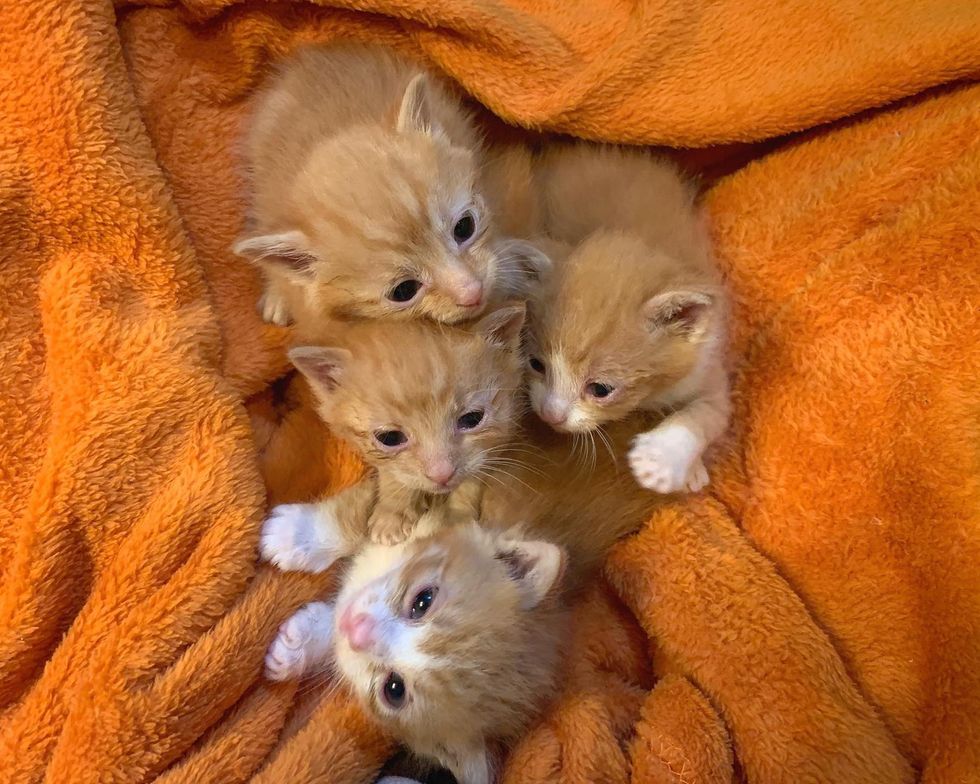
x=604 y=437
x=515 y=465
x=510 y=475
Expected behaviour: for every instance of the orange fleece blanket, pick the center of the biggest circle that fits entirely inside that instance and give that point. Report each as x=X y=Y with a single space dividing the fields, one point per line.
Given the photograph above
x=814 y=617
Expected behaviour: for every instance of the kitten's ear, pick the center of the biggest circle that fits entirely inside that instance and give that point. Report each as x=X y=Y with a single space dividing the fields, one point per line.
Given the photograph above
x=533 y=260
x=285 y=251
x=322 y=366
x=502 y=327
x=472 y=765
x=684 y=311
x=415 y=113
x=535 y=566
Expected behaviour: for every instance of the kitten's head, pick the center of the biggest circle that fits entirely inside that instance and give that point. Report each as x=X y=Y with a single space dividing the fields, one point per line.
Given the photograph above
x=452 y=642
x=388 y=221
x=618 y=326
x=425 y=403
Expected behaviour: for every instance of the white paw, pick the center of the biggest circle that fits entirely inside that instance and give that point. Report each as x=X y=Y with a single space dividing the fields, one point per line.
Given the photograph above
x=667 y=460
x=302 y=644
x=297 y=538
x=274 y=309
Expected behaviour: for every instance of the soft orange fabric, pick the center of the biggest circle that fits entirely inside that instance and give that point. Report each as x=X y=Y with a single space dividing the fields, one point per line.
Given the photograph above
x=814 y=617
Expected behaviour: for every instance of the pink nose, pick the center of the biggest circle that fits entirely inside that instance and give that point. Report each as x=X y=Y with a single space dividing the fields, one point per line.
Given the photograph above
x=470 y=294
x=359 y=630
x=441 y=472
x=553 y=412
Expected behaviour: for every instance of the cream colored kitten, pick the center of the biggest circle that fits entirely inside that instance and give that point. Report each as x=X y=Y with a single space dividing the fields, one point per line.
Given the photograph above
x=453 y=640
x=366 y=194
x=631 y=316
x=426 y=405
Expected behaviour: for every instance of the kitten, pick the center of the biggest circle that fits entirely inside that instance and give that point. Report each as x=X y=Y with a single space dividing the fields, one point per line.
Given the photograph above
x=367 y=194
x=453 y=640
x=426 y=406
x=631 y=314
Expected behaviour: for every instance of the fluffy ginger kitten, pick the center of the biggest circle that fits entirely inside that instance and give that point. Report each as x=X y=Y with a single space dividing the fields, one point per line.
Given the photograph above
x=631 y=316
x=454 y=639
x=426 y=405
x=366 y=194
x=451 y=641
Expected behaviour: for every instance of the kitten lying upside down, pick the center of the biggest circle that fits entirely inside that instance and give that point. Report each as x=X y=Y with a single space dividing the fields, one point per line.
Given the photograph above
x=631 y=314
x=367 y=195
x=453 y=640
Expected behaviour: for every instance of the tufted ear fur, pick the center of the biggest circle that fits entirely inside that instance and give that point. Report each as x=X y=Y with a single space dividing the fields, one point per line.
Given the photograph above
x=473 y=765
x=324 y=367
x=415 y=113
x=284 y=251
x=535 y=566
x=684 y=311
x=533 y=261
x=502 y=327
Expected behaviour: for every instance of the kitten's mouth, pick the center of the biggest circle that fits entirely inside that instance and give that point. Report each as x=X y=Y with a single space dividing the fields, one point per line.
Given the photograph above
x=438 y=489
x=568 y=428
x=472 y=309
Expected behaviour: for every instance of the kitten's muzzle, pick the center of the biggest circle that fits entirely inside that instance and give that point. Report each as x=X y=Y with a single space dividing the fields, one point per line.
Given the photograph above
x=441 y=473
x=554 y=412
x=360 y=629
x=469 y=295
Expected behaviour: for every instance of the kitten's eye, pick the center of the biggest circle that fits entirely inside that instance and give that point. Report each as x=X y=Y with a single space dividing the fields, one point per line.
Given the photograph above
x=390 y=437
x=536 y=365
x=394 y=690
x=422 y=603
x=464 y=228
x=599 y=390
x=469 y=420
x=405 y=291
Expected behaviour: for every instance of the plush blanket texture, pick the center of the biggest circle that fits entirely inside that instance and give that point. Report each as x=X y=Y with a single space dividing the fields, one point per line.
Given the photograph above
x=814 y=617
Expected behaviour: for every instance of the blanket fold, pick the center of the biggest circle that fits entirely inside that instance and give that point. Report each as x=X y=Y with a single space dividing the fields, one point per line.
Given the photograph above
x=814 y=617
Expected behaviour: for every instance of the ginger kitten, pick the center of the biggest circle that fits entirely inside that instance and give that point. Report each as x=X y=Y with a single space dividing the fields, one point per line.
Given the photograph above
x=366 y=194
x=426 y=405
x=631 y=315
x=453 y=640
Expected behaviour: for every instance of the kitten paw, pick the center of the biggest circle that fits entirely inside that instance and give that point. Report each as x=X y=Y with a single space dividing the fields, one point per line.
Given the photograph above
x=666 y=460
x=274 y=309
x=388 y=529
x=302 y=644
x=295 y=538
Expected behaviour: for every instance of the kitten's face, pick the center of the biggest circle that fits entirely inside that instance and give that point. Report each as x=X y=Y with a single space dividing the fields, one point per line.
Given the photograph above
x=424 y=403
x=388 y=222
x=450 y=641
x=397 y=226
x=617 y=327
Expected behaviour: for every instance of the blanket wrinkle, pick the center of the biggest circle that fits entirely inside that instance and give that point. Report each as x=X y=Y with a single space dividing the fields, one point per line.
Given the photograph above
x=815 y=616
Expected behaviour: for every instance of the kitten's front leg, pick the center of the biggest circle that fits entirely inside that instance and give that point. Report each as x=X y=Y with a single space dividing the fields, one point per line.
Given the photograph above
x=667 y=459
x=395 y=514
x=303 y=643
x=391 y=526
x=310 y=537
